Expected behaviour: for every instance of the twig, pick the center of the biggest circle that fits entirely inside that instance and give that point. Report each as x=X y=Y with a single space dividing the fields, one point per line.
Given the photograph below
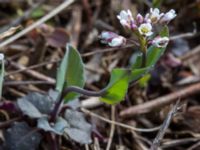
x=194 y=146
x=75 y=89
x=9 y=122
x=51 y=14
x=106 y=50
x=118 y=123
x=96 y=144
x=91 y=102
x=14 y=83
x=32 y=67
x=190 y=54
x=33 y=73
x=160 y=102
x=184 y=35
x=112 y=130
x=175 y=143
x=140 y=140
x=26 y=14
x=156 y=143
x=87 y=147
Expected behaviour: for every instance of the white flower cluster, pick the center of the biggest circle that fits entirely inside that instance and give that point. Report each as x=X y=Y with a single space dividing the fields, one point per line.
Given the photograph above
x=143 y=26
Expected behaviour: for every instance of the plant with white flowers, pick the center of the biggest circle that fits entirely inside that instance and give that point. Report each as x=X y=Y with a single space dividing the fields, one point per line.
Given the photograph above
x=143 y=29
x=49 y=111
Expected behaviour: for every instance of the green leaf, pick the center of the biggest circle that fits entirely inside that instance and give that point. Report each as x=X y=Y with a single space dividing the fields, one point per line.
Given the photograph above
x=157 y=3
x=39 y=12
x=143 y=82
x=71 y=72
x=137 y=62
x=137 y=73
x=117 y=87
x=154 y=53
x=2 y=72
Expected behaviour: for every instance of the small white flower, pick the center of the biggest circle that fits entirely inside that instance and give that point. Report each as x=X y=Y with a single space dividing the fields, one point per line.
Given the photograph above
x=154 y=15
x=112 y=39
x=167 y=17
x=160 y=41
x=145 y=29
x=1 y=56
x=126 y=19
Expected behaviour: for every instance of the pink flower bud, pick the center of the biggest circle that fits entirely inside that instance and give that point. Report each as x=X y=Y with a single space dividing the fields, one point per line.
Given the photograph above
x=139 y=18
x=112 y=39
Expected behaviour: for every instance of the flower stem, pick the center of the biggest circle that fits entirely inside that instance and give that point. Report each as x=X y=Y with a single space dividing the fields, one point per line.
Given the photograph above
x=75 y=89
x=144 y=57
x=143 y=47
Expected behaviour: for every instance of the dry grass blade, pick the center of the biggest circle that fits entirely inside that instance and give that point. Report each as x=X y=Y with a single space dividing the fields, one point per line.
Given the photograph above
x=120 y=124
x=36 y=24
x=160 y=135
x=112 y=131
x=9 y=32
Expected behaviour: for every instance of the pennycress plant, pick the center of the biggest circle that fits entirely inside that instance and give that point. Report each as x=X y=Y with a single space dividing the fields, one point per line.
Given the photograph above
x=143 y=29
x=50 y=111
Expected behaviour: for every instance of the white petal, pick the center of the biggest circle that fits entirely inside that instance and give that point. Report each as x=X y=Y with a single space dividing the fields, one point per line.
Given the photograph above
x=168 y=16
x=129 y=13
x=116 y=41
x=160 y=41
x=1 y=56
x=149 y=33
x=105 y=35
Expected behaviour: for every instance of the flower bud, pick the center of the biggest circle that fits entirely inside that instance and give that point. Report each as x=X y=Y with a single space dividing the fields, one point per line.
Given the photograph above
x=160 y=42
x=167 y=17
x=139 y=19
x=126 y=19
x=112 y=39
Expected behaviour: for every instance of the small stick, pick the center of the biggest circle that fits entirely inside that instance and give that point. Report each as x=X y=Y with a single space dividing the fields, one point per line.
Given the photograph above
x=160 y=101
x=156 y=143
x=33 y=73
x=118 y=123
x=175 y=143
x=26 y=15
x=9 y=122
x=96 y=144
x=32 y=67
x=87 y=147
x=14 y=83
x=106 y=50
x=36 y=24
x=184 y=35
x=194 y=146
x=112 y=131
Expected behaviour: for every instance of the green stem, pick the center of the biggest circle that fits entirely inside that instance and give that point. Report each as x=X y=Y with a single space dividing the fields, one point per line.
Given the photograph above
x=76 y=89
x=144 y=57
x=143 y=47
